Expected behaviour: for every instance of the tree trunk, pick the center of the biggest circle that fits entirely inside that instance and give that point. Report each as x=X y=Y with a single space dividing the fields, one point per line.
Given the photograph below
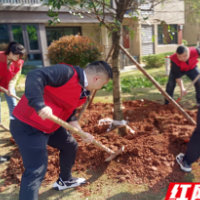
x=118 y=115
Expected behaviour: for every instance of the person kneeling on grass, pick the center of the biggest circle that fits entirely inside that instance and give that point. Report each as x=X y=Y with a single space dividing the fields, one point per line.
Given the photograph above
x=193 y=149
x=57 y=90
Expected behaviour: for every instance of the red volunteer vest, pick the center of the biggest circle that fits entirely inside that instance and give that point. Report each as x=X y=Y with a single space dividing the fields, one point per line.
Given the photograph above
x=62 y=100
x=193 y=60
x=5 y=74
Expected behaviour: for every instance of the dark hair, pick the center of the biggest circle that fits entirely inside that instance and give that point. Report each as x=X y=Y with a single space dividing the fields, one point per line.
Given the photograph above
x=100 y=67
x=16 y=49
x=181 y=49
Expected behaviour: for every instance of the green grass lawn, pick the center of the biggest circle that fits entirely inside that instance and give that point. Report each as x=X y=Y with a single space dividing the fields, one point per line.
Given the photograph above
x=150 y=93
x=108 y=189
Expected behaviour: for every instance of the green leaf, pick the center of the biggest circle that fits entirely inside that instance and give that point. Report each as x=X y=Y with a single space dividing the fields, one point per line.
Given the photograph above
x=58 y=6
x=135 y=18
x=50 y=22
x=171 y=36
x=51 y=14
x=132 y=33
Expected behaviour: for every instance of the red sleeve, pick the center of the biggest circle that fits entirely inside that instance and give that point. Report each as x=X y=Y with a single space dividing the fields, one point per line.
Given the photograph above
x=20 y=63
x=3 y=57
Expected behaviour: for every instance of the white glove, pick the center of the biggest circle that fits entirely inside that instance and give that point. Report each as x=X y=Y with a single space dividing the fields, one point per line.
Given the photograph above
x=89 y=138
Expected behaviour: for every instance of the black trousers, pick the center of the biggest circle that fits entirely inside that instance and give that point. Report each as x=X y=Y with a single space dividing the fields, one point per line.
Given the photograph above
x=192 y=74
x=32 y=144
x=193 y=149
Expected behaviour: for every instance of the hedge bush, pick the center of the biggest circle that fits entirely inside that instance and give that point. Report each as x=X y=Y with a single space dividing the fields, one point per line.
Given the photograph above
x=155 y=60
x=74 y=50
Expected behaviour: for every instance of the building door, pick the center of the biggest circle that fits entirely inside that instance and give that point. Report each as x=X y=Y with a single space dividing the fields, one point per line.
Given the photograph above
x=147 y=40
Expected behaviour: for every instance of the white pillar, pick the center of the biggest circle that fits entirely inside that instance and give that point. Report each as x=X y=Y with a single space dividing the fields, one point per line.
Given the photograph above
x=43 y=40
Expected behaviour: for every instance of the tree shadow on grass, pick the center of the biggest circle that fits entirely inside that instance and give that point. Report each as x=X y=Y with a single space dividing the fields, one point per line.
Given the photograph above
x=152 y=193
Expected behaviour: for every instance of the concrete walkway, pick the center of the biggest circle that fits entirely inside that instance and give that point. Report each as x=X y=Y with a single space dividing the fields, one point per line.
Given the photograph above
x=130 y=68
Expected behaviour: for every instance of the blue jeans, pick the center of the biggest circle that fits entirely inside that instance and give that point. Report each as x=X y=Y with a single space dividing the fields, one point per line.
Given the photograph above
x=11 y=103
x=192 y=74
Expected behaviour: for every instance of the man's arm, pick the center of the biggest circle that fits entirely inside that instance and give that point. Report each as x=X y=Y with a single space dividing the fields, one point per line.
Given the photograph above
x=177 y=72
x=198 y=50
x=182 y=88
x=37 y=79
x=13 y=81
x=75 y=124
x=89 y=138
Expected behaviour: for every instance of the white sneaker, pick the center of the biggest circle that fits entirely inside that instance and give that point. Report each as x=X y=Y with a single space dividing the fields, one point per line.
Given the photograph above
x=183 y=165
x=63 y=185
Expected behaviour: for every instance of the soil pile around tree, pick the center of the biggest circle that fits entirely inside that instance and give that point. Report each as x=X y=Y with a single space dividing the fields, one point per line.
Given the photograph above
x=161 y=133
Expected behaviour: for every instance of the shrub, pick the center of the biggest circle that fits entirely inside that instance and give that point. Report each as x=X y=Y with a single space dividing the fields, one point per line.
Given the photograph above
x=74 y=50
x=155 y=60
x=3 y=46
x=184 y=42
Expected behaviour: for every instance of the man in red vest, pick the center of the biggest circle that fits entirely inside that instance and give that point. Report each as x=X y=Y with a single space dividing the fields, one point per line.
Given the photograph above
x=57 y=89
x=184 y=62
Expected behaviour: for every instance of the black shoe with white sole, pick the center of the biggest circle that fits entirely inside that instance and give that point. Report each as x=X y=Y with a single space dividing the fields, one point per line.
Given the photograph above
x=63 y=185
x=183 y=165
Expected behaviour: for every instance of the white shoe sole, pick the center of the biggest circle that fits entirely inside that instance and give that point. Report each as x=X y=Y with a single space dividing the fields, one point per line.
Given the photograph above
x=58 y=187
x=180 y=164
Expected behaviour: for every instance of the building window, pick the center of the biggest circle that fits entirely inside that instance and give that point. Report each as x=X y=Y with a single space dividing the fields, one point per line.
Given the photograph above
x=17 y=34
x=32 y=37
x=33 y=61
x=54 y=33
x=28 y=36
x=168 y=34
x=4 y=36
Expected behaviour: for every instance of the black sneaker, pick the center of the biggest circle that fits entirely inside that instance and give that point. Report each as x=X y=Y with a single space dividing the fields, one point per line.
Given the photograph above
x=4 y=158
x=183 y=165
x=63 y=185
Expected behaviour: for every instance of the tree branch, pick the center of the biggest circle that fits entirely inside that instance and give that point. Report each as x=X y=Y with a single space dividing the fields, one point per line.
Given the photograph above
x=107 y=5
x=103 y=11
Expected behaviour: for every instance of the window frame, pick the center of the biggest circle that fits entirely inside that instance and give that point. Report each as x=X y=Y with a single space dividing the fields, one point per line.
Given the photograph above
x=165 y=36
x=62 y=27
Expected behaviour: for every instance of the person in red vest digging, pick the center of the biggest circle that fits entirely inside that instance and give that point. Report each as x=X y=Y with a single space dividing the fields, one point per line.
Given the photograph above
x=57 y=89
x=184 y=62
x=10 y=69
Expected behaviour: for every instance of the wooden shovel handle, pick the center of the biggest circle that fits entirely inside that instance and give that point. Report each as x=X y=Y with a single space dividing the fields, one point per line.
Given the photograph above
x=69 y=127
x=193 y=82
x=188 y=87
x=78 y=132
x=6 y=91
